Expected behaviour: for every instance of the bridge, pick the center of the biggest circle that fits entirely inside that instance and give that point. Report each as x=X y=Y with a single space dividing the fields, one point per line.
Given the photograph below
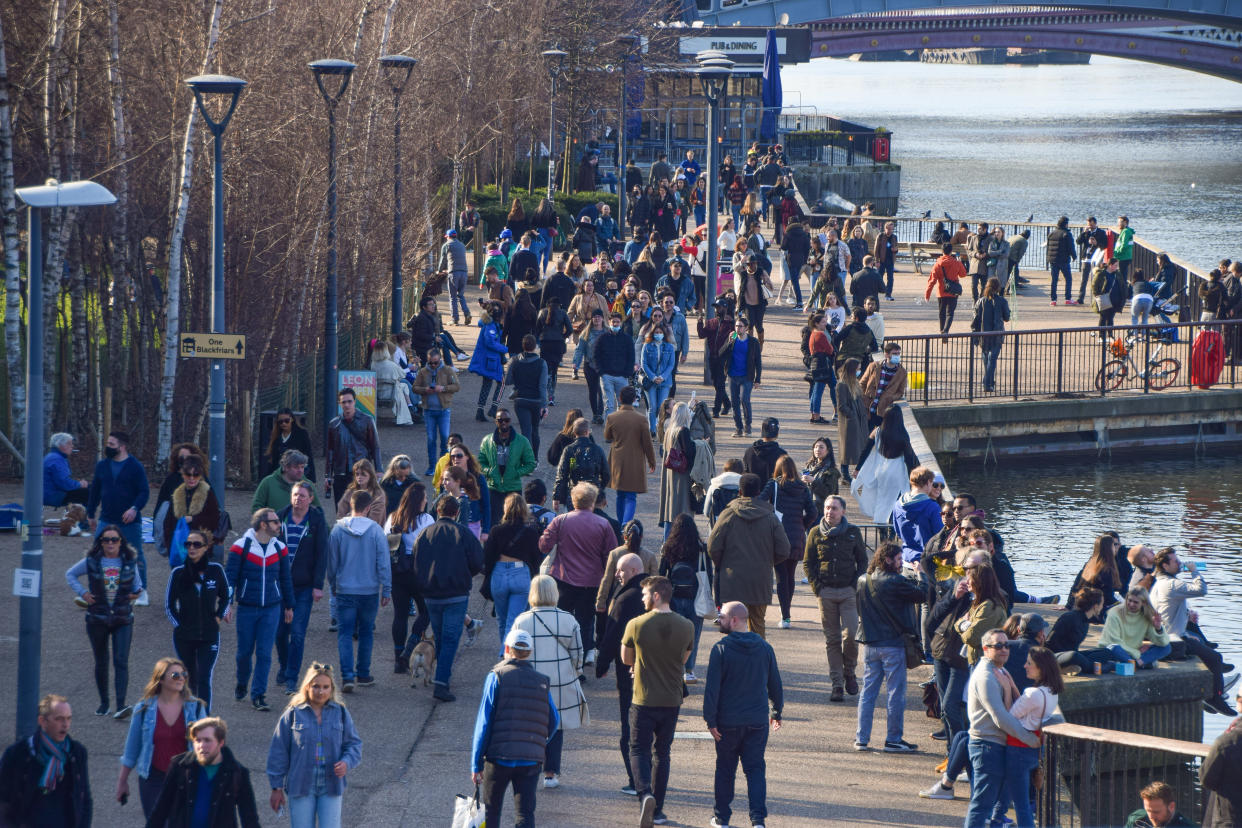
x=1198 y=35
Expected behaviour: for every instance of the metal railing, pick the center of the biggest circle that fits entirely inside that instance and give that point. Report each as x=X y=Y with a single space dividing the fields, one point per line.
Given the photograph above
x=1062 y=362
x=1093 y=777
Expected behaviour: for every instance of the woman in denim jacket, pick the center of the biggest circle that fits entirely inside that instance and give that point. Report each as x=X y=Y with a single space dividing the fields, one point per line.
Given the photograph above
x=314 y=746
x=157 y=731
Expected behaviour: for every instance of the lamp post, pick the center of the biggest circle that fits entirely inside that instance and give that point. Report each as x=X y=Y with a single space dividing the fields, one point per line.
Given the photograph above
x=26 y=584
x=228 y=90
x=555 y=58
x=714 y=71
x=341 y=71
x=629 y=43
x=397 y=69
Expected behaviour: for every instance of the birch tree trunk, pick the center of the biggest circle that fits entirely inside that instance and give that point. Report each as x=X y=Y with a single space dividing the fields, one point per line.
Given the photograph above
x=12 y=271
x=119 y=258
x=172 y=304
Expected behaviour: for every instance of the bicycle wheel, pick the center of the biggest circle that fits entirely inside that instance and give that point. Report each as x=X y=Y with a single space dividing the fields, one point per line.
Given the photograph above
x=1162 y=373
x=1111 y=376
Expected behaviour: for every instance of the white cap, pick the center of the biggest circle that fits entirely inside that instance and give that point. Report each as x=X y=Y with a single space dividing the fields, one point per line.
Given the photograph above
x=519 y=640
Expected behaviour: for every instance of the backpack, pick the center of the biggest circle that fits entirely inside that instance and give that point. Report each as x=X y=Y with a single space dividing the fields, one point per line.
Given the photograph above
x=685 y=582
x=702 y=426
x=721 y=497
x=584 y=464
x=541 y=516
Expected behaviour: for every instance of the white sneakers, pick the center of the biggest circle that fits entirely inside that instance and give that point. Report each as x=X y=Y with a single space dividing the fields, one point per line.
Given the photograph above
x=689 y=678
x=938 y=791
x=590 y=656
x=553 y=781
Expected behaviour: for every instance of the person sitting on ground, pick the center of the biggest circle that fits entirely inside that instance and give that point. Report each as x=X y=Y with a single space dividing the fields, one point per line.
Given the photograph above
x=1070 y=630
x=1159 y=809
x=1142 y=559
x=916 y=517
x=1135 y=631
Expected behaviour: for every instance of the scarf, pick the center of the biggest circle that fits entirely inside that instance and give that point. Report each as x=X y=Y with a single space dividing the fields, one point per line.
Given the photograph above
x=53 y=755
x=829 y=530
x=197 y=501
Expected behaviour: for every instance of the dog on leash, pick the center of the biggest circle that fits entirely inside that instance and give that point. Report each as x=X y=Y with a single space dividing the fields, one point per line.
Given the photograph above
x=423 y=661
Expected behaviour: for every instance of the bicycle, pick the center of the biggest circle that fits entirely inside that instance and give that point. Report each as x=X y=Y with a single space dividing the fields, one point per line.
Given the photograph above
x=1159 y=372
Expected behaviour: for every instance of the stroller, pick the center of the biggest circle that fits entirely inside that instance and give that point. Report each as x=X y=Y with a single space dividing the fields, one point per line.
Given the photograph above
x=1166 y=310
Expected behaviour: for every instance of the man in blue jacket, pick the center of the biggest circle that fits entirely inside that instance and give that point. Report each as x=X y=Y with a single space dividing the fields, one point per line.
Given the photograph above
x=119 y=490
x=305 y=532
x=59 y=486
x=742 y=678
x=916 y=517
x=615 y=361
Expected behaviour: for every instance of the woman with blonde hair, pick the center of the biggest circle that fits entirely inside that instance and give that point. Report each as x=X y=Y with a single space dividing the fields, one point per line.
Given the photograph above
x=558 y=655
x=678 y=460
x=387 y=371
x=1134 y=631
x=366 y=479
x=157 y=731
x=314 y=746
x=396 y=480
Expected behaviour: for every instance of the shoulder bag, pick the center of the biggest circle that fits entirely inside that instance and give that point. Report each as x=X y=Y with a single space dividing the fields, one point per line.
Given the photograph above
x=779 y=515
x=953 y=287
x=675 y=460
x=914 y=650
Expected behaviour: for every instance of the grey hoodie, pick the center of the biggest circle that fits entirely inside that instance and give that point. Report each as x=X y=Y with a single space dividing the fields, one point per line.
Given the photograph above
x=358 y=561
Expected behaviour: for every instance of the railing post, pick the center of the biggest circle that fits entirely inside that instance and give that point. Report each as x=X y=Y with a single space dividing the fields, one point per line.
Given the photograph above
x=1017 y=339
x=1060 y=362
x=926 y=371
x=1103 y=361
x=1146 y=360
x=970 y=370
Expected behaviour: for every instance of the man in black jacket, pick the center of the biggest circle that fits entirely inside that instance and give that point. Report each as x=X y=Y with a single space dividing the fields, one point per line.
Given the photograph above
x=797 y=247
x=884 y=618
x=207 y=770
x=614 y=359
x=582 y=461
x=1221 y=776
x=1060 y=252
x=760 y=459
x=626 y=604
x=524 y=259
x=559 y=287
x=447 y=557
x=43 y=778
x=351 y=437
x=305 y=533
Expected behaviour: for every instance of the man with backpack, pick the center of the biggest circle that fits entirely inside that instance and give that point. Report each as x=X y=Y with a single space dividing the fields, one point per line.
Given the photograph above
x=582 y=461
x=722 y=490
x=535 y=493
x=835 y=558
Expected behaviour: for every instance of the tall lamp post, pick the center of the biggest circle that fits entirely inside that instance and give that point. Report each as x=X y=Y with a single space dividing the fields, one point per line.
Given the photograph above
x=397 y=69
x=226 y=90
x=555 y=58
x=629 y=44
x=714 y=71
x=27 y=584
x=340 y=70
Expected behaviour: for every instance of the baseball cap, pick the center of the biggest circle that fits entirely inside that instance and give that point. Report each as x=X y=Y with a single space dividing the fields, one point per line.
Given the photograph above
x=939 y=478
x=506 y=233
x=450 y=233
x=519 y=640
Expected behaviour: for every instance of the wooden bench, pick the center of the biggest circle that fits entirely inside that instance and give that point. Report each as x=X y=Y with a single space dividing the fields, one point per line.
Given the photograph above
x=926 y=252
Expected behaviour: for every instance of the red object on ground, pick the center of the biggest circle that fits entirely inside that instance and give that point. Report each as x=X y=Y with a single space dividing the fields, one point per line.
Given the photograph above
x=1207 y=358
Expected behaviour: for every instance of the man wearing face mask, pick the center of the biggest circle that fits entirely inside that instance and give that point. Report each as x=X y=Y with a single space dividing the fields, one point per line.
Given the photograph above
x=626 y=605
x=119 y=490
x=884 y=383
x=614 y=358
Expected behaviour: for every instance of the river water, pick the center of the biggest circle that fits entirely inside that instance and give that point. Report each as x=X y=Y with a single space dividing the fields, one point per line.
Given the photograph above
x=1161 y=145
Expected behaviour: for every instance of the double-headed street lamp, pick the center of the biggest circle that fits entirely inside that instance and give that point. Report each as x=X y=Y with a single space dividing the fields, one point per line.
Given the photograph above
x=340 y=71
x=714 y=71
x=555 y=58
x=226 y=90
x=397 y=70
x=27 y=583
x=629 y=44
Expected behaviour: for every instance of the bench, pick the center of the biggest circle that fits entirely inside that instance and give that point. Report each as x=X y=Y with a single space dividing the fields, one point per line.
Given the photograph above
x=925 y=252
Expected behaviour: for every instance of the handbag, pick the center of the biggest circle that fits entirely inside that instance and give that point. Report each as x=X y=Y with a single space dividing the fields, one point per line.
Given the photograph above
x=468 y=811
x=545 y=568
x=704 y=605
x=1037 y=772
x=675 y=460
x=776 y=511
x=914 y=650
x=953 y=287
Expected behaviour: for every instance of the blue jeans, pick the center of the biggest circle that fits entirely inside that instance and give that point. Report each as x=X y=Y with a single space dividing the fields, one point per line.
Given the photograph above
x=510 y=586
x=612 y=386
x=457 y=294
x=1057 y=270
x=355 y=612
x=1019 y=762
x=447 y=617
x=951 y=683
x=737 y=216
x=1139 y=310
x=132 y=532
x=987 y=760
x=291 y=638
x=656 y=395
x=959 y=756
x=887 y=269
x=627 y=504
x=436 y=421
x=304 y=810
x=1150 y=656
x=764 y=189
x=991 y=355
x=739 y=397
x=256 y=633
x=794 y=277
x=817 y=396
x=545 y=233
x=888 y=665
x=748 y=745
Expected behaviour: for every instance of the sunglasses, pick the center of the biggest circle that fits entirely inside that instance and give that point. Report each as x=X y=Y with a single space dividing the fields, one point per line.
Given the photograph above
x=462 y=456
x=1004 y=646
x=191 y=475
x=110 y=539
x=177 y=674
x=195 y=545
x=320 y=667
x=503 y=420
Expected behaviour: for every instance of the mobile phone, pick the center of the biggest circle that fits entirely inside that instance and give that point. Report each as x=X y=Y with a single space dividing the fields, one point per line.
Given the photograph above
x=125 y=798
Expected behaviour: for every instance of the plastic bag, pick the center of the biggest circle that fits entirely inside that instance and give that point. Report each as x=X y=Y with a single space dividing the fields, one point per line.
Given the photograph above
x=468 y=811
x=176 y=546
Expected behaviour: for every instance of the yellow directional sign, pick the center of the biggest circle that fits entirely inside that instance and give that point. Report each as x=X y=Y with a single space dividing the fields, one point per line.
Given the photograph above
x=212 y=346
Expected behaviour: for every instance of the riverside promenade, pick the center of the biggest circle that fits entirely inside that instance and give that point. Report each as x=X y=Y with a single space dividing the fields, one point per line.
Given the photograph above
x=416 y=751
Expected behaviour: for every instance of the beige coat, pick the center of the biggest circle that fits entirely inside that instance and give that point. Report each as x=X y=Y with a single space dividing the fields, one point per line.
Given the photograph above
x=377 y=511
x=446 y=378
x=894 y=391
x=632 y=452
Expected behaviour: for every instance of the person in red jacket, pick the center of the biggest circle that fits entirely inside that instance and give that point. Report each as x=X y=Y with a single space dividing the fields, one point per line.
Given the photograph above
x=947 y=270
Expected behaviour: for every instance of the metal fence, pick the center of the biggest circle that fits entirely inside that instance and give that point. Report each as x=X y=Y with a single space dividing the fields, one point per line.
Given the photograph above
x=1066 y=362
x=1093 y=777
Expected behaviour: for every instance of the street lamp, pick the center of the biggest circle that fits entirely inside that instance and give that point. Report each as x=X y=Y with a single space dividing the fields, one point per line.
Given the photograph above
x=228 y=90
x=341 y=71
x=397 y=70
x=714 y=71
x=629 y=44
x=26 y=583
x=555 y=58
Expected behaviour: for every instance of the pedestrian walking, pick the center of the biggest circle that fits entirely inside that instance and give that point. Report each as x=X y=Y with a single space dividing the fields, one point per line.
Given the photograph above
x=991 y=314
x=885 y=252
x=851 y=416
x=791 y=498
x=511 y=560
x=206 y=786
x=884 y=620
x=626 y=604
x=360 y=573
x=528 y=377
x=304 y=532
x=436 y=384
x=630 y=442
x=453 y=261
x=580 y=541
x=351 y=437
x=157 y=731
x=741 y=698
x=946 y=280
x=656 y=644
x=742 y=359
x=682 y=557
x=582 y=461
x=505 y=457
x=409 y=521
x=1221 y=776
x=835 y=558
x=675 y=495
x=313 y=747
x=273 y=491
x=615 y=360
x=119 y=490
x=746 y=541
x=287 y=434
x=44 y=780
x=196 y=600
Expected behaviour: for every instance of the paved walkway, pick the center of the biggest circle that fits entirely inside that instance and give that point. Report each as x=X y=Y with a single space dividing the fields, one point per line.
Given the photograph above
x=416 y=751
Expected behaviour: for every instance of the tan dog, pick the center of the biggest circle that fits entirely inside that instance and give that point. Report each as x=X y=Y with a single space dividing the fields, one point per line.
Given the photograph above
x=423 y=660
x=75 y=514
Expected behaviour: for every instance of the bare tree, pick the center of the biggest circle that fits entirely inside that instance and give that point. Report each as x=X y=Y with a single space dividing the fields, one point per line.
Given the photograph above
x=12 y=270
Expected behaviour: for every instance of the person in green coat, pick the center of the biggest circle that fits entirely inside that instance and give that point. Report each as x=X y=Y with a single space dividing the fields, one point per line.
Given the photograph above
x=505 y=457
x=274 y=490
x=1123 y=247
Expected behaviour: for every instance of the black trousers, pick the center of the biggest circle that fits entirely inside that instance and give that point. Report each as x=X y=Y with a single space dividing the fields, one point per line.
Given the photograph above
x=580 y=602
x=525 y=782
x=625 y=696
x=1210 y=658
x=200 y=662
x=121 y=636
x=948 y=306
x=720 y=405
x=977 y=283
x=595 y=392
x=648 y=726
x=404 y=590
x=529 y=415
x=340 y=482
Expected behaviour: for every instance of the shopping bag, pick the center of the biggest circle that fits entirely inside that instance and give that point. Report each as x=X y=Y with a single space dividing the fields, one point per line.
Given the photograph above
x=468 y=811
x=704 y=606
x=176 y=547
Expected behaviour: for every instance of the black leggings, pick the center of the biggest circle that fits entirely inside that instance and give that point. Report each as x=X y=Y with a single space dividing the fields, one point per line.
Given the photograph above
x=405 y=589
x=785 y=584
x=754 y=315
x=200 y=662
x=487 y=387
x=720 y=405
x=121 y=637
x=594 y=391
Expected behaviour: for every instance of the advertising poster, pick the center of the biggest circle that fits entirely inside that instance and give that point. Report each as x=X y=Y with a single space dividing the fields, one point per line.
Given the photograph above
x=363 y=383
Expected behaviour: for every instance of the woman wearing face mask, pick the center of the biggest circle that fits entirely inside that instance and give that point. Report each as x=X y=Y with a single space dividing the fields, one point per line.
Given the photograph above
x=196 y=600
x=658 y=360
